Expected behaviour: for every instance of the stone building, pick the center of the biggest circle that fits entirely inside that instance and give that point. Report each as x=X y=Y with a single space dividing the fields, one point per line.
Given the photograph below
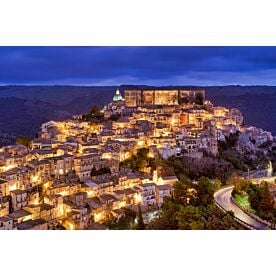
x=134 y=98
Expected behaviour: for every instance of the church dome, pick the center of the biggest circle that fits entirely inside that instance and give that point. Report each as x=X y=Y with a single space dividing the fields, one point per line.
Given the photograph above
x=118 y=96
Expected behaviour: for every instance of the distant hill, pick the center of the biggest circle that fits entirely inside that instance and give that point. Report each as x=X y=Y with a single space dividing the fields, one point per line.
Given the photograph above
x=56 y=94
x=258 y=109
x=24 y=108
x=24 y=116
x=256 y=103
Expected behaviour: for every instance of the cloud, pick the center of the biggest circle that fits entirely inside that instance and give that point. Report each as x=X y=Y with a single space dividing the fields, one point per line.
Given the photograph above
x=134 y=65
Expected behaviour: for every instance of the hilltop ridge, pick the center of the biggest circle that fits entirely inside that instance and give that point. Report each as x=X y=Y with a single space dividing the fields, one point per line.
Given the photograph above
x=24 y=108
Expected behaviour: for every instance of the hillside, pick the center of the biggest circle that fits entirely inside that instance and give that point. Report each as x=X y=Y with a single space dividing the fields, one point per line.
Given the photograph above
x=24 y=108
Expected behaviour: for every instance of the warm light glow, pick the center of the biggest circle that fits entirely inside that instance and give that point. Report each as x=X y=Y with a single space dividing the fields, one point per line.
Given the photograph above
x=46 y=185
x=122 y=204
x=6 y=168
x=35 y=178
x=27 y=218
x=71 y=226
x=174 y=121
x=60 y=171
x=140 y=143
x=35 y=201
x=107 y=156
x=67 y=208
x=98 y=217
x=166 y=133
x=12 y=187
x=90 y=193
x=60 y=211
x=63 y=193
x=138 y=198
x=127 y=155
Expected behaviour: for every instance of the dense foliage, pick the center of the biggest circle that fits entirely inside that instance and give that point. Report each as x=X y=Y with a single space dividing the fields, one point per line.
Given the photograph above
x=94 y=115
x=241 y=161
x=114 y=117
x=124 y=223
x=23 y=140
x=259 y=197
x=140 y=220
x=25 y=108
x=100 y=171
x=140 y=161
x=195 y=168
x=191 y=208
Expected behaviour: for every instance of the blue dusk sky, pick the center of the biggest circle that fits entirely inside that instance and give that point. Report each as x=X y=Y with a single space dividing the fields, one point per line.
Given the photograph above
x=138 y=65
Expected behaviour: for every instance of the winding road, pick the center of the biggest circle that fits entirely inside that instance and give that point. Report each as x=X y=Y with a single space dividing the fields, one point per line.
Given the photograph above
x=223 y=198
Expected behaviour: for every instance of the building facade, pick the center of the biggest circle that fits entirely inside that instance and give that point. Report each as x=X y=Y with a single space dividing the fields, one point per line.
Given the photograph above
x=134 y=98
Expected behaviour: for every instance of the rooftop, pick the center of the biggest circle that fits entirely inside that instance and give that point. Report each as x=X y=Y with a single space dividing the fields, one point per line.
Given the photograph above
x=164 y=187
x=128 y=191
x=2 y=180
x=45 y=206
x=18 y=192
x=29 y=224
x=172 y=177
x=96 y=226
x=107 y=197
x=149 y=184
x=5 y=219
x=42 y=141
x=117 y=96
x=19 y=214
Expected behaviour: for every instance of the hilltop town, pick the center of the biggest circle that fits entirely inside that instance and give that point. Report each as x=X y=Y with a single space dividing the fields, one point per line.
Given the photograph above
x=82 y=172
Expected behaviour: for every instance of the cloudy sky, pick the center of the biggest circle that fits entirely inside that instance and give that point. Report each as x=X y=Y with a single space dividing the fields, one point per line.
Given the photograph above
x=138 y=65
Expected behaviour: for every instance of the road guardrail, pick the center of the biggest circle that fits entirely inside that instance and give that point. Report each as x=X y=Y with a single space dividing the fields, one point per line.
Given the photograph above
x=245 y=224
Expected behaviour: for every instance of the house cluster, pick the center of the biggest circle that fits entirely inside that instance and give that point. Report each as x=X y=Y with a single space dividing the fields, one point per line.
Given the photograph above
x=251 y=139
x=175 y=122
x=70 y=177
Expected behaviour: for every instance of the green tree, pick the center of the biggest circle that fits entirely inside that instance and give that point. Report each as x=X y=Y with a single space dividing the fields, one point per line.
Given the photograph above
x=126 y=222
x=140 y=161
x=266 y=202
x=253 y=196
x=261 y=201
x=232 y=139
x=103 y=170
x=216 y=219
x=166 y=219
x=140 y=220
x=205 y=191
x=23 y=140
x=94 y=109
x=94 y=115
x=240 y=184
x=189 y=218
x=217 y=184
x=181 y=190
x=114 y=117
